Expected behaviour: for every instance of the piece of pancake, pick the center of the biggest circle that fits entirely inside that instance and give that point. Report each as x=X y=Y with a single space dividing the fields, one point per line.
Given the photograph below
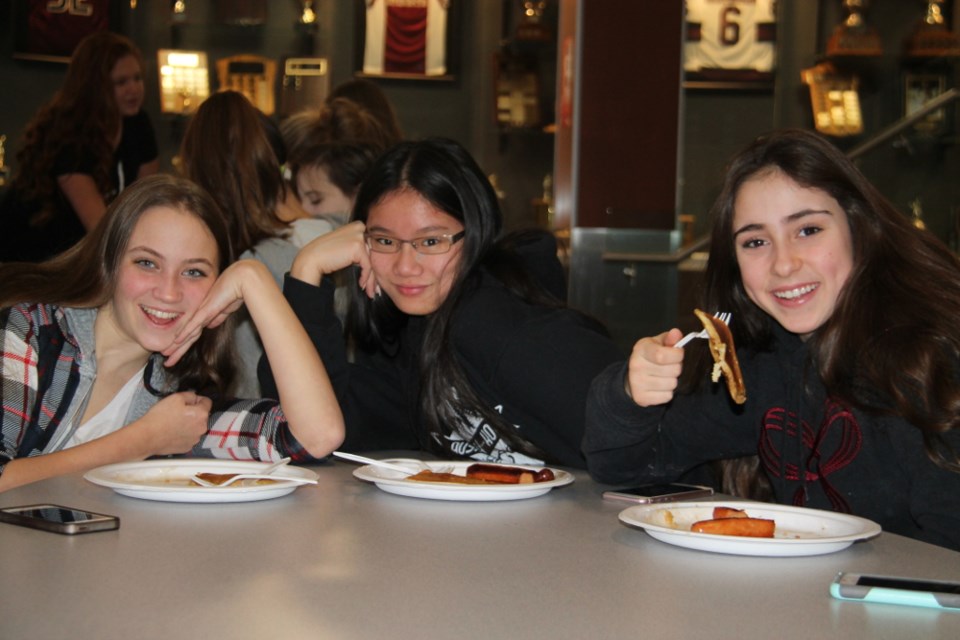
x=724 y=354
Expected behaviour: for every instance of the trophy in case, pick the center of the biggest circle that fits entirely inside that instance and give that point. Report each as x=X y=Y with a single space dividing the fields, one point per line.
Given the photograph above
x=834 y=99
x=304 y=85
x=854 y=37
x=928 y=56
x=531 y=25
x=308 y=17
x=932 y=38
x=252 y=75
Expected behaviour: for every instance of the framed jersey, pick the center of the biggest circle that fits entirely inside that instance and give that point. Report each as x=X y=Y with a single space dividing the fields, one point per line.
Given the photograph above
x=406 y=39
x=730 y=43
x=50 y=29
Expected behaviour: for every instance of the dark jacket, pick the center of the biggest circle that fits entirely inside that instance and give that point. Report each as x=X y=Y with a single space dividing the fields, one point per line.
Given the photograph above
x=815 y=452
x=532 y=364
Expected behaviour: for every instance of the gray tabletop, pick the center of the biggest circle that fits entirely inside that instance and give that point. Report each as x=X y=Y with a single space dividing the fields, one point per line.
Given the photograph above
x=346 y=560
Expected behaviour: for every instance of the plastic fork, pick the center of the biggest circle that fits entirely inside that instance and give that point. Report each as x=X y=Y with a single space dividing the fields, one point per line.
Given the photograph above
x=251 y=476
x=377 y=463
x=723 y=317
x=396 y=465
x=263 y=473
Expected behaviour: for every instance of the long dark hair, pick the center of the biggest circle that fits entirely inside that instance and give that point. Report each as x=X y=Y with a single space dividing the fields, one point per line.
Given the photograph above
x=227 y=151
x=443 y=173
x=86 y=275
x=892 y=345
x=83 y=116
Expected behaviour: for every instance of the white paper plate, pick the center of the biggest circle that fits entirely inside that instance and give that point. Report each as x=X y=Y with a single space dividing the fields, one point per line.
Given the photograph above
x=799 y=531
x=395 y=482
x=168 y=480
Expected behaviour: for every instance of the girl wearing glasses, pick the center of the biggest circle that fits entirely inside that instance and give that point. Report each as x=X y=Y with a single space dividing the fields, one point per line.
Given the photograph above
x=845 y=323
x=460 y=344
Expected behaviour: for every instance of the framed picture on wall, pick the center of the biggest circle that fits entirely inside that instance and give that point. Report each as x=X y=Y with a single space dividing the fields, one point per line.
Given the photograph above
x=918 y=89
x=49 y=30
x=408 y=39
x=730 y=44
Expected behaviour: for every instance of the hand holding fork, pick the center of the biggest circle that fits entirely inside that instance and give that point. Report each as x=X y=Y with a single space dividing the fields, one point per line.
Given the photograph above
x=723 y=317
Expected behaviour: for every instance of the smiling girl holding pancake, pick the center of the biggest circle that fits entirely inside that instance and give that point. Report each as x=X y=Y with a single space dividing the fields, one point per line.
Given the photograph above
x=845 y=324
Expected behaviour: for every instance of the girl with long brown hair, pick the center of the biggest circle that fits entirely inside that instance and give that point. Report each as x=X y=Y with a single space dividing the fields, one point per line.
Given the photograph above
x=80 y=150
x=227 y=151
x=119 y=349
x=844 y=319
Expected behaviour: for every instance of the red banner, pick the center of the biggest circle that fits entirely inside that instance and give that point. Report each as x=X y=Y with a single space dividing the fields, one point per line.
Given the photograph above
x=54 y=27
x=406 y=40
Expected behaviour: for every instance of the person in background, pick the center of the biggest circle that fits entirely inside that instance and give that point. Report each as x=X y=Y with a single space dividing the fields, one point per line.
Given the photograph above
x=462 y=344
x=227 y=151
x=105 y=357
x=369 y=96
x=79 y=151
x=844 y=320
x=331 y=158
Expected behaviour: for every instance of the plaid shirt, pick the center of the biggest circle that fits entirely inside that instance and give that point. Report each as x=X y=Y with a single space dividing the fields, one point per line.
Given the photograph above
x=48 y=373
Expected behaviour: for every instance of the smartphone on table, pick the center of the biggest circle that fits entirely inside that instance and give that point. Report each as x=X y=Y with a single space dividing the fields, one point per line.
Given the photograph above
x=937 y=594
x=661 y=492
x=58 y=519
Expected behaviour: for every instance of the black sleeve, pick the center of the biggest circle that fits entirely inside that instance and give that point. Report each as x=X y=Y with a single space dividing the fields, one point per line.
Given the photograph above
x=149 y=141
x=625 y=443
x=369 y=389
x=619 y=437
x=934 y=490
x=138 y=145
x=70 y=160
x=313 y=306
x=535 y=365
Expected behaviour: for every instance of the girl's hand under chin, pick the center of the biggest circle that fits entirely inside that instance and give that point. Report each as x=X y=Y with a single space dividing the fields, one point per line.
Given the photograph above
x=334 y=251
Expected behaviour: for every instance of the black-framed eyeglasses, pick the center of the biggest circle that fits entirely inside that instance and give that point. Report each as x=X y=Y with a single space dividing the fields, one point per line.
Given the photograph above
x=425 y=245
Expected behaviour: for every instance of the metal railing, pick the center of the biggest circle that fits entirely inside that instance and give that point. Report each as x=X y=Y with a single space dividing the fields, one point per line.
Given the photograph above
x=882 y=136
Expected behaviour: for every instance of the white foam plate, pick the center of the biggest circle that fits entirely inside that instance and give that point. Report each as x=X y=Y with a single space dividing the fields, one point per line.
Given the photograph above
x=396 y=483
x=169 y=480
x=799 y=531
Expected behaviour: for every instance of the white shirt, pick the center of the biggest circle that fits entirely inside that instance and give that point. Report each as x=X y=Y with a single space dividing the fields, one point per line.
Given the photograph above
x=110 y=418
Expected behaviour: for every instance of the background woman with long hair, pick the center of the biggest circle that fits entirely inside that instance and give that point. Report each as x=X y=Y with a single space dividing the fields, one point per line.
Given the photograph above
x=227 y=151
x=461 y=343
x=845 y=324
x=80 y=150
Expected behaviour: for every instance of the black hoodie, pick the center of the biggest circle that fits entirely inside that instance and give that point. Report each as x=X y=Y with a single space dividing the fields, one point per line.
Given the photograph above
x=815 y=452
x=532 y=364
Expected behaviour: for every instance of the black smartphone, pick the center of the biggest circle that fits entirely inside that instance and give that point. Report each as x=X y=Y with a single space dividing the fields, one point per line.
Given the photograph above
x=58 y=519
x=665 y=492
